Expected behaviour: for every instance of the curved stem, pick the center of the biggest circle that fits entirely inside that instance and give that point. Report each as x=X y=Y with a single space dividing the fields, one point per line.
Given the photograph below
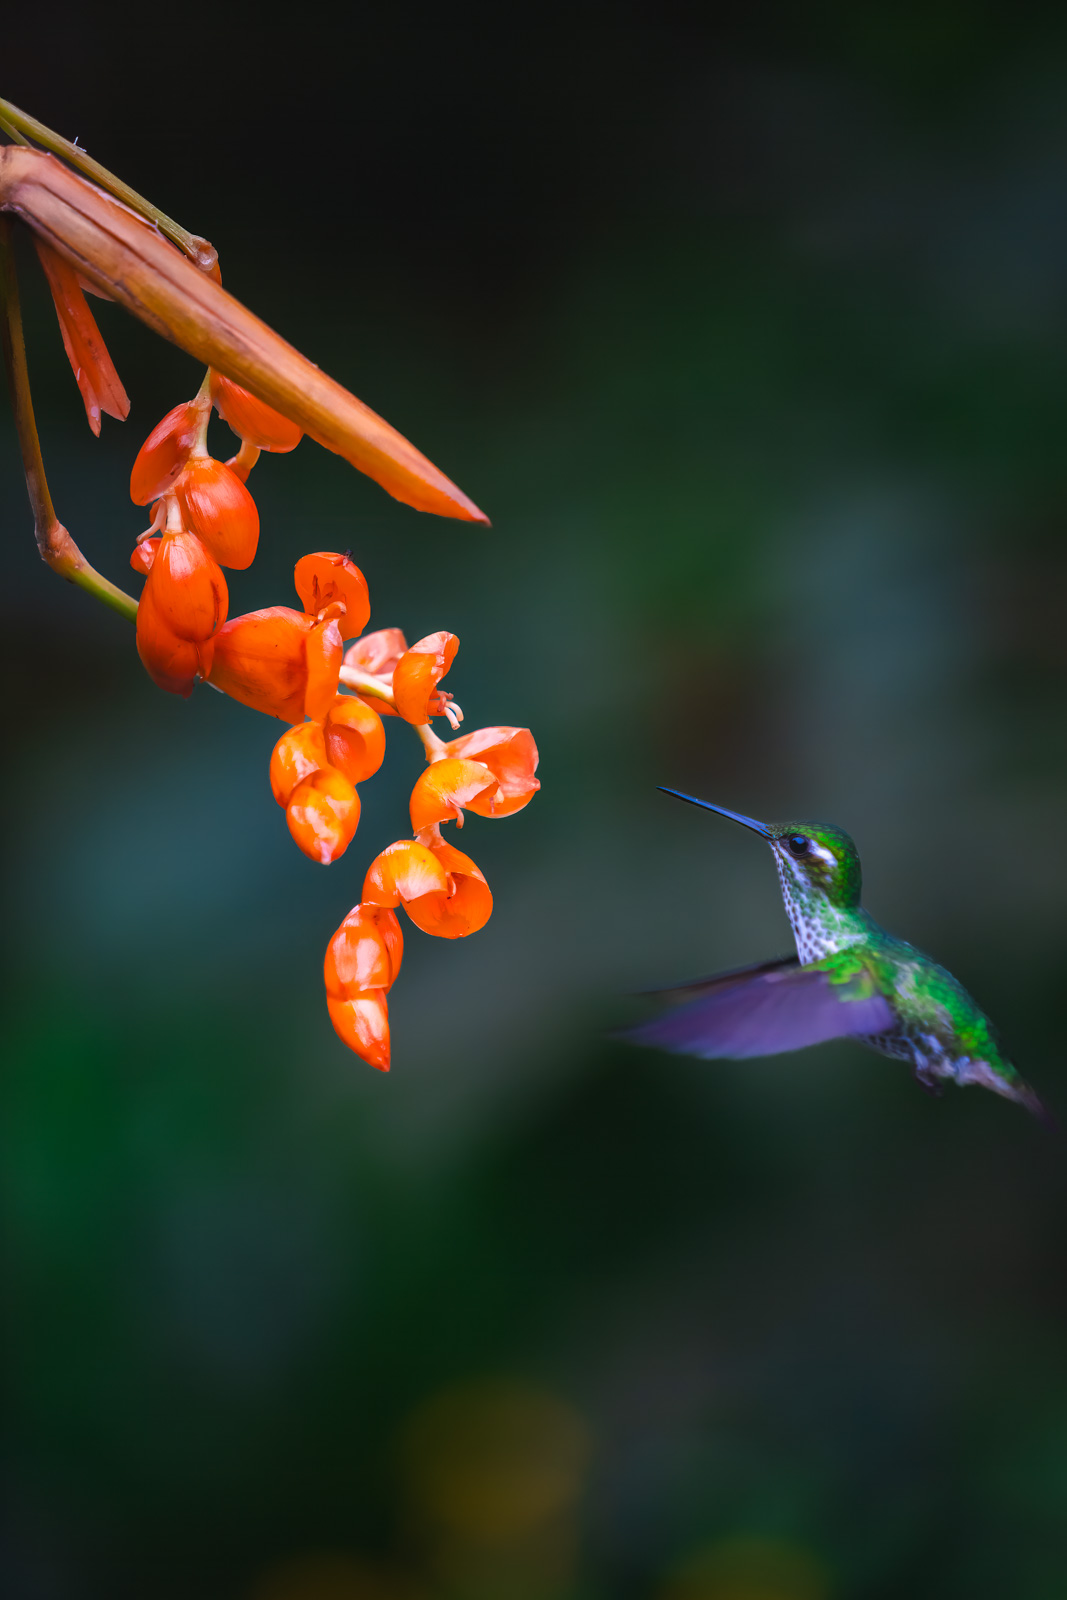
x=435 y=748
x=18 y=123
x=55 y=544
x=366 y=683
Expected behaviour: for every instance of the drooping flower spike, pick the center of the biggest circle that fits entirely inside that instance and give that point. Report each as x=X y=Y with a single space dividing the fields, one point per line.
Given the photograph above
x=290 y=664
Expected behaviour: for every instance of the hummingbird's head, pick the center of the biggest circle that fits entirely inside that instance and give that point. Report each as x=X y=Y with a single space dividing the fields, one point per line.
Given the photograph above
x=817 y=858
x=814 y=859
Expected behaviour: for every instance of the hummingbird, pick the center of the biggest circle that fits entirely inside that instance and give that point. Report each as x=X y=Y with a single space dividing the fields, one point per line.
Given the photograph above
x=848 y=979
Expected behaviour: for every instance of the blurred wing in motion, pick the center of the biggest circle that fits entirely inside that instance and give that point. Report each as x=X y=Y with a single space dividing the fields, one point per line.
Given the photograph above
x=764 y=1010
x=677 y=992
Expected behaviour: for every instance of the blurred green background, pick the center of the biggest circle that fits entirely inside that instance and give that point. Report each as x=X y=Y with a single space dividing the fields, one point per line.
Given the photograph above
x=748 y=330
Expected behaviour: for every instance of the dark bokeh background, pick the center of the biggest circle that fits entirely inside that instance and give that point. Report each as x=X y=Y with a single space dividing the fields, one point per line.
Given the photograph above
x=749 y=333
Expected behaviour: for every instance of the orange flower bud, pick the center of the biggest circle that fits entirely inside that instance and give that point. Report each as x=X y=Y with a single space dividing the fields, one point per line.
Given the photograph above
x=252 y=420
x=324 y=653
x=405 y=871
x=467 y=905
x=220 y=510
x=164 y=453
x=187 y=587
x=300 y=751
x=326 y=577
x=364 y=953
x=172 y=663
x=323 y=814
x=363 y=1025
x=94 y=371
x=261 y=660
x=417 y=674
x=511 y=756
x=444 y=788
x=377 y=652
x=144 y=554
x=355 y=738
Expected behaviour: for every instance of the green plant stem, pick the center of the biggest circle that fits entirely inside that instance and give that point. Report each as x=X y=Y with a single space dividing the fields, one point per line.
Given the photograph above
x=18 y=123
x=55 y=544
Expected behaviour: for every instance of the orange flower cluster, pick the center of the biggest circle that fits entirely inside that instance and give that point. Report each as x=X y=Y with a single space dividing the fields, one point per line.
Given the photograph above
x=286 y=663
x=293 y=665
x=203 y=519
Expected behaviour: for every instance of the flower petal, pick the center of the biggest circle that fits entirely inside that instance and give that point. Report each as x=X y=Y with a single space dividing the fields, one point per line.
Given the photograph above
x=323 y=814
x=250 y=419
x=324 y=653
x=445 y=787
x=220 y=510
x=164 y=453
x=464 y=910
x=187 y=587
x=355 y=738
x=173 y=664
x=299 y=751
x=143 y=554
x=260 y=659
x=364 y=953
x=511 y=756
x=377 y=652
x=326 y=577
x=404 y=871
x=363 y=1025
x=419 y=671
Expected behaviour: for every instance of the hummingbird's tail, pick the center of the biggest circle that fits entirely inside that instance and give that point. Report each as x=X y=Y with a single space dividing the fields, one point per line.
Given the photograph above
x=1013 y=1088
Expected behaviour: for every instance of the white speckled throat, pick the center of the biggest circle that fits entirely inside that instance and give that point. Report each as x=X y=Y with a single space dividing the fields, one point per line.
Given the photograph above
x=819 y=928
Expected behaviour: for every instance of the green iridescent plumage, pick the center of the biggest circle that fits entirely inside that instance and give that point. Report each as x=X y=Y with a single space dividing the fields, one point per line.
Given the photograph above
x=849 y=977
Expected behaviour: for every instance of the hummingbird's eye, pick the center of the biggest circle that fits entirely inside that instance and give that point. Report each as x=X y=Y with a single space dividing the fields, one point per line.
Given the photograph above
x=797 y=844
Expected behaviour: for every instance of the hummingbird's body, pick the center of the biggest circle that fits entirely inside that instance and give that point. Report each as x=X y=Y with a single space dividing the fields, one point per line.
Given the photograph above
x=848 y=978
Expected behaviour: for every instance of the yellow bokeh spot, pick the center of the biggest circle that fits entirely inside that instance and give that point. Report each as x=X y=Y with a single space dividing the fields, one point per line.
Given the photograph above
x=491 y=1461
x=748 y=1569
x=332 y=1576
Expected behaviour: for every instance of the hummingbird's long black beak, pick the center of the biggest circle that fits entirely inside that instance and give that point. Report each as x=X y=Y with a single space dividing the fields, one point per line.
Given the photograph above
x=734 y=816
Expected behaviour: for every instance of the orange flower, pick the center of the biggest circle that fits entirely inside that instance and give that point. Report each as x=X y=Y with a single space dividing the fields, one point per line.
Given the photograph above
x=279 y=661
x=463 y=909
x=407 y=870
x=143 y=554
x=299 y=752
x=441 y=889
x=313 y=773
x=378 y=653
x=362 y=960
x=362 y=1023
x=100 y=385
x=364 y=953
x=511 y=756
x=417 y=674
x=355 y=738
x=172 y=663
x=187 y=587
x=220 y=510
x=445 y=787
x=164 y=453
x=326 y=578
x=251 y=420
x=323 y=815
x=261 y=660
